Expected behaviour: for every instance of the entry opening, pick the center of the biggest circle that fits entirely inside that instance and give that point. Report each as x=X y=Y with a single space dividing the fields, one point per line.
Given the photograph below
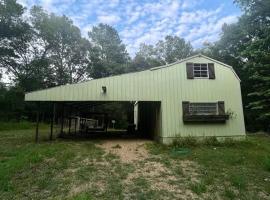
x=134 y=119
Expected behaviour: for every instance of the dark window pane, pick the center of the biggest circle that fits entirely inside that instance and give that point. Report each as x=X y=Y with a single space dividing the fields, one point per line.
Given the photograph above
x=204 y=68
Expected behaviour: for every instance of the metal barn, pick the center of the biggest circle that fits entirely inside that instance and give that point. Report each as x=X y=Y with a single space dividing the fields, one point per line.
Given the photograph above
x=197 y=96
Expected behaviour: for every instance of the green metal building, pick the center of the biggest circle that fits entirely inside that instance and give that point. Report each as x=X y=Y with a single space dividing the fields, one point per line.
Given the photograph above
x=197 y=96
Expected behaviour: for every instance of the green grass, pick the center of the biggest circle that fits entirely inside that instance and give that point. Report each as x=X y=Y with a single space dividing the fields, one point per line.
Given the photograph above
x=267 y=163
x=80 y=170
x=243 y=165
x=198 y=188
x=22 y=125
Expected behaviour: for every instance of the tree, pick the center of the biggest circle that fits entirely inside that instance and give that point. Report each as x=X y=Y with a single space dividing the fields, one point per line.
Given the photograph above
x=173 y=48
x=11 y=22
x=19 y=47
x=246 y=46
x=166 y=51
x=109 y=55
x=66 y=50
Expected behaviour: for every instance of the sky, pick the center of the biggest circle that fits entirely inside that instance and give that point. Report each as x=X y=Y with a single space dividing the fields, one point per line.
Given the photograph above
x=147 y=21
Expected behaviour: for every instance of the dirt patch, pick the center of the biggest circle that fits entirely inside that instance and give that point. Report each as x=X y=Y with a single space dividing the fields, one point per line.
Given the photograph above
x=127 y=150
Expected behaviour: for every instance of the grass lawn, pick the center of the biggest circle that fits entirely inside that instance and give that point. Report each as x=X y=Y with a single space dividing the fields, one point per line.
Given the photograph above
x=83 y=169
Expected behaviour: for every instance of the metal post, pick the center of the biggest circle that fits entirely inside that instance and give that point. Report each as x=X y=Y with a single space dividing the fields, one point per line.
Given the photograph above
x=69 y=120
x=62 y=119
x=52 y=121
x=76 y=124
x=37 y=122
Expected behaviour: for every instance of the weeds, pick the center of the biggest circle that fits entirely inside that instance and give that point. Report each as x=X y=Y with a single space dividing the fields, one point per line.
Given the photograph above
x=198 y=187
x=185 y=142
x=239 y=181
x=266 y=163
x=229 y=193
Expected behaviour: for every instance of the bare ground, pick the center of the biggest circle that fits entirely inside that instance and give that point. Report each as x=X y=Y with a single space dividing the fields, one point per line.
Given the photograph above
x=127 y=150
x=148 y=167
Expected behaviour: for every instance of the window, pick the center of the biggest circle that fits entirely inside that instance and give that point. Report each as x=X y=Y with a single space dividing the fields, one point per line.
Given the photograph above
x=200 y=70
x=209 y=112
x=203 y=108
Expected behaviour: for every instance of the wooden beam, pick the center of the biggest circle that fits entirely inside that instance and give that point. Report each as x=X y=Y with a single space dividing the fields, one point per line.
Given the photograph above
x=37 y=122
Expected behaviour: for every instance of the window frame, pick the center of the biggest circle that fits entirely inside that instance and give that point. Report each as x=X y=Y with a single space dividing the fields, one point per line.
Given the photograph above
x=203 y=113
x=193 y=69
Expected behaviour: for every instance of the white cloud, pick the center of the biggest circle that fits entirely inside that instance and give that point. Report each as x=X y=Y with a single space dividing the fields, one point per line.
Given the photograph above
x=145 y=21
x=190 y=3
x=85 y=29
x=108 y=19
x=208 y=32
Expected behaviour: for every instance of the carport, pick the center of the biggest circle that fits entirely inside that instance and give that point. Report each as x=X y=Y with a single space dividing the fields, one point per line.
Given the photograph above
x=143 y=119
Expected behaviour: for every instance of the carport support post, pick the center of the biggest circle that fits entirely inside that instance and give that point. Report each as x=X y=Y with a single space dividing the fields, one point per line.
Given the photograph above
x=75 y=124
x=52 y=121
x=62 y=119
x=69 y=120
x=37 y=122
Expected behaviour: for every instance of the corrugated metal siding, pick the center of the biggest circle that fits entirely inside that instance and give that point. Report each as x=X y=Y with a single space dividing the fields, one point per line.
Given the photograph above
x=168 y=85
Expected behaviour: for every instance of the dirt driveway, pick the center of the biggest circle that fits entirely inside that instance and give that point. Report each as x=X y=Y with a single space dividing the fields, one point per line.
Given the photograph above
x=161 y=175
x=128 y=150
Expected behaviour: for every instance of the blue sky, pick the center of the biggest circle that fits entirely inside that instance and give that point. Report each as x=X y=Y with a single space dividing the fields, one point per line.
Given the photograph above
x=147 y=21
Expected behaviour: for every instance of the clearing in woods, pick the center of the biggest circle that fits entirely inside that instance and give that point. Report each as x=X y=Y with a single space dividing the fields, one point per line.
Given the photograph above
x=132 y=169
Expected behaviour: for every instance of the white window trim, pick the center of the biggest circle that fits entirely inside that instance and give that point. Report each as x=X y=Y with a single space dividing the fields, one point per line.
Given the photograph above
x=201 y=77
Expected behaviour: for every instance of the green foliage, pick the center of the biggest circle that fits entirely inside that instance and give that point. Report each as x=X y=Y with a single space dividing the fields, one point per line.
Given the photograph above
x=65 y=49
x=11 y=103
x=166 y=51
x=245 y=46
x=11 y=22
x=110 y=56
